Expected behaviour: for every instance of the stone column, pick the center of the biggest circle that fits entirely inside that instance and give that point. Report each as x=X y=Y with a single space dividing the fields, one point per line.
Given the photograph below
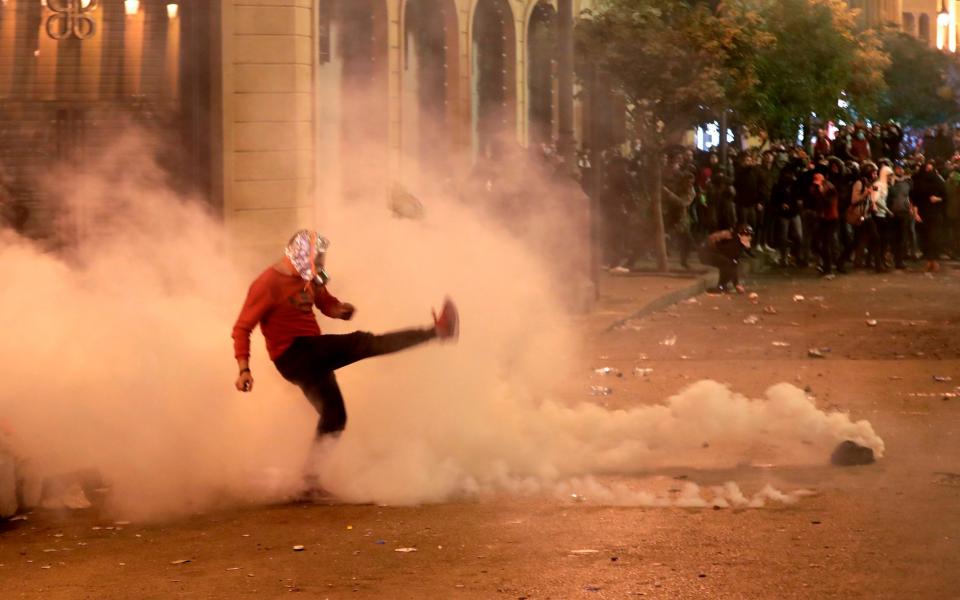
x=268 y=122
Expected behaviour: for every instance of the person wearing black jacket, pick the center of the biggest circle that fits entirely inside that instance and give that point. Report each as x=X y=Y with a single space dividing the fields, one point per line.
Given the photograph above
x=748 y=200
x=929 y=191
x=723 y=249
x=784 y=201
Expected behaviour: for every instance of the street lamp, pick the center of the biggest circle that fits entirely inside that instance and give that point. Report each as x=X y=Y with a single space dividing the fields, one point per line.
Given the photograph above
x=172 y=10
x=131 y=7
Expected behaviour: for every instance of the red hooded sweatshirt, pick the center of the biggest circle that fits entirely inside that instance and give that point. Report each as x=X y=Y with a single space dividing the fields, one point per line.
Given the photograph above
x=283 y=307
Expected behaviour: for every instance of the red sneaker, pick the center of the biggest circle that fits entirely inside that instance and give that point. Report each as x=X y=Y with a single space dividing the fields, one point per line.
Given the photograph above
x=447 y=325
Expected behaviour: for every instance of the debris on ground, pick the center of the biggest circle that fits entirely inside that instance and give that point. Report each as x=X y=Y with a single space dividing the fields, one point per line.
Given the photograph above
x=578 y=497
x=871 y=322
x=780 y=344
x=816 y=353
x=404 y=550
x=585 y=551
x=298 y=548
x=182 y=561
x=691 y=301
x=754 y=298
x=769 y=309
x=751 y=320
x=600 y=390
x=608 y=371
x=642 y=372
x=849 y=454
x=670 y=341
x=942 y=378
x=798 y=298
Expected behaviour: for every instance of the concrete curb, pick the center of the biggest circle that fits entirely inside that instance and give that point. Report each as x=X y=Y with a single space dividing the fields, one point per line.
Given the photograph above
x=697 y=286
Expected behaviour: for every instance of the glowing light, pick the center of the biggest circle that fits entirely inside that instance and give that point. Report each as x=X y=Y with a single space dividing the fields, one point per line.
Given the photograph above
x=172 y=10
x=85 y=3
x=132 y=7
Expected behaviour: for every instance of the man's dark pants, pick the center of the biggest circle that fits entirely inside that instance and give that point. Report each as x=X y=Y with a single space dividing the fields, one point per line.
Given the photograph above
x=729 y=270
x=310 y=362
x=827 y=233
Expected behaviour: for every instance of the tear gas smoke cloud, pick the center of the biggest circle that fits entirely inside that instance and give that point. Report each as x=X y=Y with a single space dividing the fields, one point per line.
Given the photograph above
x=117 y=355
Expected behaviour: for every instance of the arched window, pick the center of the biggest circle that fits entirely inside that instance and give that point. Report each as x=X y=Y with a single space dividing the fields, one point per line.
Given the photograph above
x=909 y=23
x=923 y=31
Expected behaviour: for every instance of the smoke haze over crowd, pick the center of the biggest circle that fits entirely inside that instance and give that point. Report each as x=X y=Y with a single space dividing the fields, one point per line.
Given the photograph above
x=118 y=356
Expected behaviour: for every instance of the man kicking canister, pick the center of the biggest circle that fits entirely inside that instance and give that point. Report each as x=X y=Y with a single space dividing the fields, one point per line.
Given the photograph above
x=281 y=301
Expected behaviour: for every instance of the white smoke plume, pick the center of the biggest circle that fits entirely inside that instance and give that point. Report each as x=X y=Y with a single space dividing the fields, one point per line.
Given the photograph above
x=117 y=355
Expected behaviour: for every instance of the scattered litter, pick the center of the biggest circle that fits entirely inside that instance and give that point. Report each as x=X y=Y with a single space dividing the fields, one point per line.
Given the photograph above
x=816 y=298
x=592 y=588
x=691 y=301
x=670 y=341
x=600 y=390
x=20 y=518
x=942 y=378
x=815 y=353
x=380 y=542
x=751 y=320
x=578 y=497
x=631 y=324
x=404 y=549
x=71 y=497
x=754 y=298
x=298 y=548
x=849 y=454
x=642 y=372
x=233 y=568
x=798 y=298
x=769 y=309
x=585 y=551
x=780 y=344
x=608 y=371
x=947 y=478
x=872 y=322
x=182 y=561
x=122 y=523
x=641 y=356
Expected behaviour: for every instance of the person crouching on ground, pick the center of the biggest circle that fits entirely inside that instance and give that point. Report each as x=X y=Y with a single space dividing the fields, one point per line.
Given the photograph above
x=281 y=300
x=723 y=250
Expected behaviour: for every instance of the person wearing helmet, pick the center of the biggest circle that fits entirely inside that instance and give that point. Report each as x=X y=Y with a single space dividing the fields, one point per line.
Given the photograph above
x=281 y=301
x=723 y=249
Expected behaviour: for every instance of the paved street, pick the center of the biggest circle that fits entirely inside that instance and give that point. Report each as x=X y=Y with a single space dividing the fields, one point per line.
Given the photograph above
x=888 y=530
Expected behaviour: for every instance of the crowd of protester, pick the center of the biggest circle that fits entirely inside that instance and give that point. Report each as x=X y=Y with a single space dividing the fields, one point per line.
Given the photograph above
x=870 y=197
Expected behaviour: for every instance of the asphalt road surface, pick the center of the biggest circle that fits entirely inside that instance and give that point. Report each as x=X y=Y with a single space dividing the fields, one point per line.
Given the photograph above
x=887 y=530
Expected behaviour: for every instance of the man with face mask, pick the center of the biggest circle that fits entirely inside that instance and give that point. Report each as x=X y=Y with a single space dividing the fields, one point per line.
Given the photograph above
x=281 y=300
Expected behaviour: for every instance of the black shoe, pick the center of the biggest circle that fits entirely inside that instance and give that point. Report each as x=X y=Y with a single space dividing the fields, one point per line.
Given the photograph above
x=718 y=289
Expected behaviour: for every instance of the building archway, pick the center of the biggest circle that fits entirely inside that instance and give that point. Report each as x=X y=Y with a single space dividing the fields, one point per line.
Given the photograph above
x=923 y=31
x=361 y=46
x=541 y=74
x=493 y=81
x=909 y=23
x=430 y=127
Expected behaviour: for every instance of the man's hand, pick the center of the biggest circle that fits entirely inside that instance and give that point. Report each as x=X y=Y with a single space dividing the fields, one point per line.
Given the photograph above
x=245 y=381
x=344 y=311
x=935 y=199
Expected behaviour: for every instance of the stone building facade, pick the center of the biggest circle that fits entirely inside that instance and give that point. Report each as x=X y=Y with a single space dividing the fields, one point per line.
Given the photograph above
x=277 y=108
